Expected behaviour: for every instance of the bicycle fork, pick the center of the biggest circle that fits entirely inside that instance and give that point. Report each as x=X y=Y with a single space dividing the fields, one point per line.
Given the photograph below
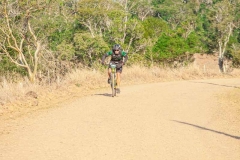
x=113 y=80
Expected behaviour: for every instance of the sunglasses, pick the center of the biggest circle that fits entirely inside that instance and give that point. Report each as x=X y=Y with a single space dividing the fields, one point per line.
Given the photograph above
x=116 y=50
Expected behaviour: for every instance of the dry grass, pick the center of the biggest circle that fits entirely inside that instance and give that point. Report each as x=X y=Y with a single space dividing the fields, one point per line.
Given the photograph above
x=81 y=82
x=137 y=74
x=11 y=91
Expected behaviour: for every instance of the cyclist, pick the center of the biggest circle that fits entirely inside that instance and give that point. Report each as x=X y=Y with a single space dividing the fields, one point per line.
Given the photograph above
x=119 y=58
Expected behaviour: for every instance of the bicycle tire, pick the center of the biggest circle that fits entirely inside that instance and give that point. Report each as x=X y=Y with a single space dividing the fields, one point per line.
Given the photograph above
x=113 y=85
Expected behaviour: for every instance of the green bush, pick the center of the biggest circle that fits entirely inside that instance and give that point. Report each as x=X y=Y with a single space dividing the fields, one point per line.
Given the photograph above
x=89 y=49
x=168 y=47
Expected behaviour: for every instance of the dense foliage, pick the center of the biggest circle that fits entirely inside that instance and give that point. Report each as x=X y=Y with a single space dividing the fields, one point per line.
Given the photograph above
x=73 y=32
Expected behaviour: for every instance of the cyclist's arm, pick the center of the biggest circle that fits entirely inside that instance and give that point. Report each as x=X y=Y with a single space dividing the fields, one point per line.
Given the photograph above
x=105 y=56
x=125 y=57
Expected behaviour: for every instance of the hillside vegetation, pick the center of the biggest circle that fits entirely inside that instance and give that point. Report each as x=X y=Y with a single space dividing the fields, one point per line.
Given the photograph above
x=46 y=39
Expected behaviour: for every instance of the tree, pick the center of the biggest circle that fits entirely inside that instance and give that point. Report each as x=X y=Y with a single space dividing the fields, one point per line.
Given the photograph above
x=170 y=47
x=93 y=15
x=89 y=49
x=153 y=29
x=172 y=11
x=222 y=18
x=141 y=8
x=19 y=43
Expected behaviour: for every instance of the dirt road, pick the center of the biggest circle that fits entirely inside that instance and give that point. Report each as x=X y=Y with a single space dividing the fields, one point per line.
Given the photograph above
x=168 y=121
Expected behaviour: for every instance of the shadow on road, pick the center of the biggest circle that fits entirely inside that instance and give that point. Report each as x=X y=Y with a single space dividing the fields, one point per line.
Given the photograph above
x=217 y=84
x=104 y=94
x=203 y=128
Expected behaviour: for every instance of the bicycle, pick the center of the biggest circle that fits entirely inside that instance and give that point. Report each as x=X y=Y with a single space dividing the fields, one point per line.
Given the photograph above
x=113 y=80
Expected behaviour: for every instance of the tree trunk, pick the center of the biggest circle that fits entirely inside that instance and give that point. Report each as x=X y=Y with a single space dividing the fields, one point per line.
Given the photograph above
x=220 y=63
x=222 y=44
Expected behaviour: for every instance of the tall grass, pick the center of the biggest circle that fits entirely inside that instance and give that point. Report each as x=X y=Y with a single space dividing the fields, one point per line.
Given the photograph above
x=11 y=91
x=88 y=79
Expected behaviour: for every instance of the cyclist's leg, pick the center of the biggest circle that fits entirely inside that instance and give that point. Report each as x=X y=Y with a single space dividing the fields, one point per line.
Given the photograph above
x=118 y=79
x=119 y=71
x=109 y=74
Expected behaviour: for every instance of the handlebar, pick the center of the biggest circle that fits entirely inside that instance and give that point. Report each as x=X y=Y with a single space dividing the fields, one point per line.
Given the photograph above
x=115 y=63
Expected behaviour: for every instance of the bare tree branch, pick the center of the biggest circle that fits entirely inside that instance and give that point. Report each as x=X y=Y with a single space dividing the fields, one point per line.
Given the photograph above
x=14 y=45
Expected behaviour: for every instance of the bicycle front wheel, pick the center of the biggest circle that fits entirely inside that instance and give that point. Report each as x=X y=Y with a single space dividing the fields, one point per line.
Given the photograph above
x=113 y=85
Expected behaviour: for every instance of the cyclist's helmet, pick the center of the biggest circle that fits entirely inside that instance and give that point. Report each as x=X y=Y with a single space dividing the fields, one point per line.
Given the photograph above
x=116 y=47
